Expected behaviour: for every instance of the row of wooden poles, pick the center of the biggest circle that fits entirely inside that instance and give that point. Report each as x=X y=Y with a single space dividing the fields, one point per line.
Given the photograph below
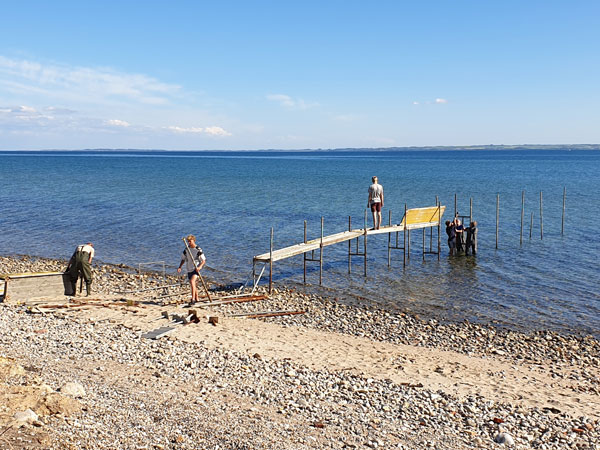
x=562 y=225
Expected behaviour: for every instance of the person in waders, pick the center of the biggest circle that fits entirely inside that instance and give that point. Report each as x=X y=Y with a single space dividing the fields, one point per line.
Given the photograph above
x=80 y=265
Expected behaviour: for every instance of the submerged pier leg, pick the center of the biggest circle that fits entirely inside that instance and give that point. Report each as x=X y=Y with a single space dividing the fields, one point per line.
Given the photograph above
x=350 y=246
x=304 y=254
x=271 y=263
x=321 y=256
x=562 y=225
x=404 y=231
x=365 y=243
x=390 y=240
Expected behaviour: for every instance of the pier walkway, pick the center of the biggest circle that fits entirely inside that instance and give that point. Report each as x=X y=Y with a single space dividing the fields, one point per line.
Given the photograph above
x=413 y=219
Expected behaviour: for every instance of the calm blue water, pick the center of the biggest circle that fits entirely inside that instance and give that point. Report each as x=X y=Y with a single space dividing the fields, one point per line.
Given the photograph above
x=135 y=207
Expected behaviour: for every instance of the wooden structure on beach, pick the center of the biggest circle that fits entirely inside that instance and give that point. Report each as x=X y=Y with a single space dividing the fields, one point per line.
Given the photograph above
x=413 y=219
x=21 y=287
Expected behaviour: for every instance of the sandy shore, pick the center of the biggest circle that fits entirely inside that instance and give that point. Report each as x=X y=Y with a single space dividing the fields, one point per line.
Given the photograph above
x=337 y=376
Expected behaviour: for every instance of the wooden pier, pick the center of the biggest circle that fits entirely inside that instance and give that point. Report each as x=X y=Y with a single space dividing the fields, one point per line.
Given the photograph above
x=413 y=219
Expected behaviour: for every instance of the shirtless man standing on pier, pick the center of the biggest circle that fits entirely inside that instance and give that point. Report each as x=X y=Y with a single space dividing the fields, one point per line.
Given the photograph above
x=375 y=202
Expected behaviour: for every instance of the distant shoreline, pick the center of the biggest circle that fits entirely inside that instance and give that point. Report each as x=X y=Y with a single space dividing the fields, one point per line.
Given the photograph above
x=491 y=147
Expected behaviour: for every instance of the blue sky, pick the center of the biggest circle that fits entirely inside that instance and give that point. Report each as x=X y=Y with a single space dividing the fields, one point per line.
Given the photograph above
x=292 y=75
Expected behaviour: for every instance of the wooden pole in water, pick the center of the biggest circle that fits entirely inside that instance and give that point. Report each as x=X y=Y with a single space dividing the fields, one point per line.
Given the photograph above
x=321 y=256
x=541 y=217
x=404 y=246
x=271 y=263
x=562 y=225
x=455 y=205
x=424 y=244
x=390 y=240
x=365 y=243
x=531 y=226
x=470 y=210
x=304 y=254
x=522 y=215
x=349 y=246
x=497 y=217
x=439 y=227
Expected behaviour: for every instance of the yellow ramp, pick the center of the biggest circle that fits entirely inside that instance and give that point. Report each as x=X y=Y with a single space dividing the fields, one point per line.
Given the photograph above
x=422 y=217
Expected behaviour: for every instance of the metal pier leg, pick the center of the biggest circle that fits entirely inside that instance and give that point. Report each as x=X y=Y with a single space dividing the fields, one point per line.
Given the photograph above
x=497 y=217
x=439 y=251
x=404 y=231
x=541 y=217
x=304 y=254
x=455 y=205
x=522 y=216
x=365 y=243
x=349 y=246
x=271 y=263
x=562 y=225
x=390 y=241
x=321 y=256
x=470 y=210
x=423 y=244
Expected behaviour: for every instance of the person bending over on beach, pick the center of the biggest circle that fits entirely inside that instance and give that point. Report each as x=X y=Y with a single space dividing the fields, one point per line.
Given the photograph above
x=375 y=202
x=80 y=265
x=471 y=238
x=451 y=237
x=194 y=260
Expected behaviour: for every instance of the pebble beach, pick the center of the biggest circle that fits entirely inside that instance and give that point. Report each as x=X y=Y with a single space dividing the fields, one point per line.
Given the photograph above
x=337 y=376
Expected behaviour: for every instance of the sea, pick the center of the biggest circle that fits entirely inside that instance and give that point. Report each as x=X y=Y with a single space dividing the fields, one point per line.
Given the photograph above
x=135 y=206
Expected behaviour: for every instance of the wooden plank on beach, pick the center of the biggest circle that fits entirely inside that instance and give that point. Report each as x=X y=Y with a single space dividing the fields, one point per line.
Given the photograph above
x=258 y=314
x=158 y=333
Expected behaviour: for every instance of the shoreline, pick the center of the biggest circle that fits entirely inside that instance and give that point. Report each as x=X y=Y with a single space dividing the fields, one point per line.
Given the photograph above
x=370 y=377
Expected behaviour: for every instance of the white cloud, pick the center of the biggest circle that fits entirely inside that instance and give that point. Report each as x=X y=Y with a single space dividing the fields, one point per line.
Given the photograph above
x=210 y=131
x=288 y=102
x=118 y=123
x=84 y=84
x=216 y=131
x=441 y=100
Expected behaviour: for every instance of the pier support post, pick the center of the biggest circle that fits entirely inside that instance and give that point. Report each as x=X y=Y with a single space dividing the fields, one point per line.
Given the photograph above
x=541 y=217
x=531 y=226
x=350 y=246
x=455 y=205
x=562 y=225
x=470 y=210
x=439 y=251
x=365 y=243
x=271 y=263
x=304 y=254
x=390 y=240
x=321 y=256
x=404 y=246
x=497 y=217
x=522 y=216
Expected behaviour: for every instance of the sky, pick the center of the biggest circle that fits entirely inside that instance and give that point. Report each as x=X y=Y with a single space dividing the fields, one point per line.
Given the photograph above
x=243 y=75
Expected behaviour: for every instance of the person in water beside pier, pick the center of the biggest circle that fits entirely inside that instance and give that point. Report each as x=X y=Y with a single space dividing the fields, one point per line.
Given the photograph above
x=194 y=260
x=375 y=202
x=459 y=231
x=451 y=237
x=80 y=265
x=471 y=238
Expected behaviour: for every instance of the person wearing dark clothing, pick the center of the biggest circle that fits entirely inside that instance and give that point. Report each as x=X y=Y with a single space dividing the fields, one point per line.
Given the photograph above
x=80 y=265
x=471 y=238
x=451 y=237
x=459 y=230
